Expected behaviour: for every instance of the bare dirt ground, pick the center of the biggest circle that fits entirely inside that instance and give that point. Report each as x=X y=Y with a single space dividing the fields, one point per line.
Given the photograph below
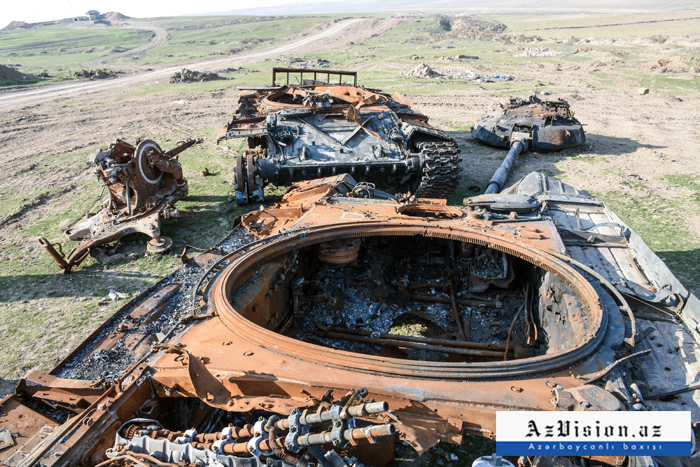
x=634 y=142
x=69 y=117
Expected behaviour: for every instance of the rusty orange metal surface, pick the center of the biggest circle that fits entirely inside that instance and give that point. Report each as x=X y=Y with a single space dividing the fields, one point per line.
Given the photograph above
x=24 y=425
x=230 y=353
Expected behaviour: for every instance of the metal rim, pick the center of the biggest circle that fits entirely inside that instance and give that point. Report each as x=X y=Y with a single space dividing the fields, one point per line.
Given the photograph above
x=141 y=150
x=234 y=274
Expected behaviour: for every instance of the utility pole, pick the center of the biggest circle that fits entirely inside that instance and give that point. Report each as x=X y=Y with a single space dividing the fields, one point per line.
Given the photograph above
x=70 y=7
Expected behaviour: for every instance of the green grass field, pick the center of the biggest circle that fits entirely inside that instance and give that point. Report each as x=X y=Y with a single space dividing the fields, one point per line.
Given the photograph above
x=59 y=50
x=215 y=37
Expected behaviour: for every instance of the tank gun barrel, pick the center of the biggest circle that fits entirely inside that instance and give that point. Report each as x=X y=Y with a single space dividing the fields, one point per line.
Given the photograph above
x=501 y=174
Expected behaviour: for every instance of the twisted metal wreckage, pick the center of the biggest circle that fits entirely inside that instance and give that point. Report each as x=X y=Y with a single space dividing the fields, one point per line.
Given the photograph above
x=251 y=354
x=319 y=128
x=143 y=183
x=527 y=124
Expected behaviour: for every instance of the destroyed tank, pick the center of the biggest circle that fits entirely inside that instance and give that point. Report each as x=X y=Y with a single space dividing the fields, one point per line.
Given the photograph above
x=545 y=125
x=529 y=124
x=538 y=298
x=316 y=129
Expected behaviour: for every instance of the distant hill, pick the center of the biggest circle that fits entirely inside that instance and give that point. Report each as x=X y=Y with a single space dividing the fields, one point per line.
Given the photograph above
x=15 y=25
x=472 y=6
x=92 y=15
x=114 y=16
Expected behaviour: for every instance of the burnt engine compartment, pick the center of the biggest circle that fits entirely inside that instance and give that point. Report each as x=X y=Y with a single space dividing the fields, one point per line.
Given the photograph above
x=415 y=298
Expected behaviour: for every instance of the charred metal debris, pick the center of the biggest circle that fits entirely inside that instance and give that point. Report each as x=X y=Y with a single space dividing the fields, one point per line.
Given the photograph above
x=143 y=183
x=322 y=125
x=331 y=327
x=543 y=125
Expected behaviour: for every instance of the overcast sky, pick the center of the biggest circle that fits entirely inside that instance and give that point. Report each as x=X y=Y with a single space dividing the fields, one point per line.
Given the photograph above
x=32 y=11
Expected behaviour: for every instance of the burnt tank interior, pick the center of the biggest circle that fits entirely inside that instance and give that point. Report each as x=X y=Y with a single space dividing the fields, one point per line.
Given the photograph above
x=185 y=431
x=414 y=298
x=165 y=428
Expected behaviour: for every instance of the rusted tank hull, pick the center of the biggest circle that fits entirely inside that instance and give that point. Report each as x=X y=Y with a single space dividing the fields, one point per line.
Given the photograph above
x=239 y=343
x=318 y=129
x=551 y=138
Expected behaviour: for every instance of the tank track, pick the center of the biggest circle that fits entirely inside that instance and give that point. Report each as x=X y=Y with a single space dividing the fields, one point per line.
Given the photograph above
x=441 y=170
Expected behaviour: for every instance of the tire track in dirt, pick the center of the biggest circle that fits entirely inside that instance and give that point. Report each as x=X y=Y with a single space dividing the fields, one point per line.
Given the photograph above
x=32 y=204
x=160 y=38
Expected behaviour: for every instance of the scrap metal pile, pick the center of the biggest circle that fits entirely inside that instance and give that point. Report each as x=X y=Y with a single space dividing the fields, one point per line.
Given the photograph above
x=190 y=76
x=143 y=184
x=316 y=129
x=537 y=298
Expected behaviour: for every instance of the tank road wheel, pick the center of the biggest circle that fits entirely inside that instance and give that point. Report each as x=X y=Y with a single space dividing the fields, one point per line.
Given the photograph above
x=146 y=176
x=159 y=245
x=249 y=188
x=440 y=169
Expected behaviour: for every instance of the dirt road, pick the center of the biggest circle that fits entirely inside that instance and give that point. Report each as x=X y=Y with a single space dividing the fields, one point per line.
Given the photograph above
x=45 y=92
x=160 y=38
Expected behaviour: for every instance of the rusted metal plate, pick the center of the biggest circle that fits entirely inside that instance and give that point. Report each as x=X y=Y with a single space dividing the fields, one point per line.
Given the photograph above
x=21 y=425
x=133 y=329
x=72 y=394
